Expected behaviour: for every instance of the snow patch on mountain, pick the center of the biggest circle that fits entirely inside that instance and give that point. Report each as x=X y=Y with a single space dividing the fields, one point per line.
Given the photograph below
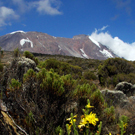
x=84 y=54
x=94 y=41
x=59 y=48
x=22 y=42
x=106 y=53
x=17 y=32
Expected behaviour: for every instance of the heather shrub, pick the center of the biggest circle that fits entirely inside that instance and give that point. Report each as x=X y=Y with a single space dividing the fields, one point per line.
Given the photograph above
x=109 y=114
x=89 y=75
x=114 y=70
x=14 y=85
x=61 y=68
x=82 y=91
x=16 y=53
x=27 y=54
x=97 y=100
x=30 y=74
x=52 y=83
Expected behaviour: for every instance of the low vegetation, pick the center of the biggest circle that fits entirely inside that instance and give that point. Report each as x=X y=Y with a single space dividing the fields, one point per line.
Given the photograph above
x=52 y=99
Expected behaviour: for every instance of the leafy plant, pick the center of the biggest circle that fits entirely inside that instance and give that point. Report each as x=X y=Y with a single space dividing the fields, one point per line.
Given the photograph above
x=15 y=85
x=27 y=54
x=16 y=52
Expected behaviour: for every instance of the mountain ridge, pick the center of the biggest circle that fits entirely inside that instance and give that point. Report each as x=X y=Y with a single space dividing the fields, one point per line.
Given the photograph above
x=82 y=46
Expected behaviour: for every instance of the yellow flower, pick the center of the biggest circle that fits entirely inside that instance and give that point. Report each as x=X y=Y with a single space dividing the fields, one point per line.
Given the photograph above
x=89 y=106
x=71 y=122
x=69 y=119
x=69 y=127
x=80 y=126
x=75 y=116
x=110 y=134
x=125 y=125
x=83 y=122
x=91 y=118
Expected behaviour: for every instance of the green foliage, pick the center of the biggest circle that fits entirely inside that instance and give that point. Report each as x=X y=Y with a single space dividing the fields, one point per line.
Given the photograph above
x=124 y=118
x=52 y=83
x=123 y=123
x=30 y=74
x=15 y=85
x=82 y=91
x=27 y=54
x=58 y=130
x=16 y=53
x=109 y=114
x=89 y=75
x=114 y=70
x=97 y=99
x=61 y=68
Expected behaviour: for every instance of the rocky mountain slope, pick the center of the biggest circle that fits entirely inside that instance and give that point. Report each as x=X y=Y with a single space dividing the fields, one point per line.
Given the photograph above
x=79 y=46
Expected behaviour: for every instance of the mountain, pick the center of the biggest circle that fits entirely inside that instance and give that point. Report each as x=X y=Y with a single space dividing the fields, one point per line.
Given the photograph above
x=79 y=46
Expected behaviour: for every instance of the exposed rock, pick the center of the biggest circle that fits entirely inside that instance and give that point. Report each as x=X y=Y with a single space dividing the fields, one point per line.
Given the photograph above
x=115 y=97
x=2 y=106
x=72 y=106
x=126 y=88
x=17 y=69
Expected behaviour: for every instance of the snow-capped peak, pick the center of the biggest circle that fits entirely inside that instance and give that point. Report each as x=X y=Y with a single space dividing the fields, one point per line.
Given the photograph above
x=17 y=32
x=94 y=41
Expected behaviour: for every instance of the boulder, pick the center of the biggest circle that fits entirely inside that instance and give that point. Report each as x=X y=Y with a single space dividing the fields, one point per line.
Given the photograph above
x=126 y=88
x=115 y=98
x=17 y=69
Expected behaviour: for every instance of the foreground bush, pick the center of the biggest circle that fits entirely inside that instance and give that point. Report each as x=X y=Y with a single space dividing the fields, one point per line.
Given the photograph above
x=114 y=70
x=27 y=54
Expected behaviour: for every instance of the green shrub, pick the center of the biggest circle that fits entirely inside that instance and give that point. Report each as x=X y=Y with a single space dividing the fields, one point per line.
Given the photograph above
x=110 y=114
x=53 y=83
x=14 y=85
x=16 y=53
x=82 y=92
x=61 y=68
x=97 y=100
x=114 y=70
x=89 y=75
x=30 y=74
x=27 y=54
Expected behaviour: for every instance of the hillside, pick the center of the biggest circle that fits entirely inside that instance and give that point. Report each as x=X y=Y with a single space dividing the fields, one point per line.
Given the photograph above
x=38 y=92
x=82 y=46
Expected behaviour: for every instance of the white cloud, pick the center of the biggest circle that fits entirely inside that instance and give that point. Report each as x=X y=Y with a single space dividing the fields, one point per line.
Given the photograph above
x=118 y=46
x=49 y=7
x=103 y=28
x=7 y=14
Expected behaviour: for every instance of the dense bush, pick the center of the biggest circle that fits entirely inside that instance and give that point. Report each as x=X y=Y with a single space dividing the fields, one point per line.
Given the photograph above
x=27 y=54
x=114 y=70
x=61 y=68
x=89 y=75
x=16 y=52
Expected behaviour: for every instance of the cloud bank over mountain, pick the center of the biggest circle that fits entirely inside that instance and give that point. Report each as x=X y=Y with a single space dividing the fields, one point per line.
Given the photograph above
x=119 y=47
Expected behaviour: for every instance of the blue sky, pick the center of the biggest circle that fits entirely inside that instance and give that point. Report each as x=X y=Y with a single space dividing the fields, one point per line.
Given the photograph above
x=66 y=18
